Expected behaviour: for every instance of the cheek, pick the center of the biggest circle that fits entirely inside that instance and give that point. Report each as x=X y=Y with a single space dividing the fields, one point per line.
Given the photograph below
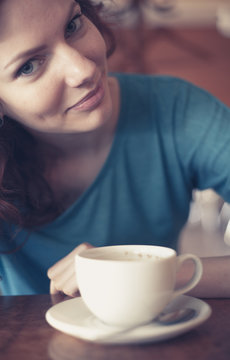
x=38 y=101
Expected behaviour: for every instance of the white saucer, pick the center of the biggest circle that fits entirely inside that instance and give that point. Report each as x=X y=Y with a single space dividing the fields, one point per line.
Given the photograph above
x=73 y=318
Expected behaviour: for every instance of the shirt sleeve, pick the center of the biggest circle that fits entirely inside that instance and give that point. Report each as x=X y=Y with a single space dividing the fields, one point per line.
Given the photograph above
x=202 y=136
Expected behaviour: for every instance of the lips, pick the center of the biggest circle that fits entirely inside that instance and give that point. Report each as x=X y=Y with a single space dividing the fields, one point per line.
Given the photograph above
x=91 y=100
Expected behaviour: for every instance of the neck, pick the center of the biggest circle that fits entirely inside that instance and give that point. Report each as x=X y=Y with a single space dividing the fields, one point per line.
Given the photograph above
x=74 y=145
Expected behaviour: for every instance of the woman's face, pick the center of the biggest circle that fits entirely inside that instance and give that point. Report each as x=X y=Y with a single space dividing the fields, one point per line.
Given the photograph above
x=53 y=72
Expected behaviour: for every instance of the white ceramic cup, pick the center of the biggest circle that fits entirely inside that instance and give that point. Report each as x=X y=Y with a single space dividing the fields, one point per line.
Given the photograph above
x=130 y=285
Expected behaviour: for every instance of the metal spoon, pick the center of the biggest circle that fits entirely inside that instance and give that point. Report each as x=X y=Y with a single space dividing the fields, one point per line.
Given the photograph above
x=164 y=318
x=174 y=317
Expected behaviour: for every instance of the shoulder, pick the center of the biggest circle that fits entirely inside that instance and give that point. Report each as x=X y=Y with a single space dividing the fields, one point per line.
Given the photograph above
x=164 y=89
x=160 y=81
x=171 y=101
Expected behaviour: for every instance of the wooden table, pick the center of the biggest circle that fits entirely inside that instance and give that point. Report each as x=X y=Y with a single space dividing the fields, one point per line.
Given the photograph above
x=25 y=334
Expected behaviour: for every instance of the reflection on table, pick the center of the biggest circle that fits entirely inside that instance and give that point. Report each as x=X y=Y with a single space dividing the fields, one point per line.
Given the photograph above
x=25 y=334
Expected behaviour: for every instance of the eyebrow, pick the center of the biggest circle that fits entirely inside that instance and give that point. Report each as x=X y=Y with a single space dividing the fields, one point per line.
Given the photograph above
x=37 y=49
x=25 y=54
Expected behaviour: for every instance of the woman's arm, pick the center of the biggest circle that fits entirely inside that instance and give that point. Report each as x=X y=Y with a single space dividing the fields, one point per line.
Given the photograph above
x=215 y=282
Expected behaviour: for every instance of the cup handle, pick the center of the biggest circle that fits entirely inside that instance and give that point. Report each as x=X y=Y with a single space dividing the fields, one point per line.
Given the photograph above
x=198 y=271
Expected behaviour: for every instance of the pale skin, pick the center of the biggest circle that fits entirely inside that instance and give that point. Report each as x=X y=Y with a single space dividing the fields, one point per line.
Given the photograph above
x=61 y=93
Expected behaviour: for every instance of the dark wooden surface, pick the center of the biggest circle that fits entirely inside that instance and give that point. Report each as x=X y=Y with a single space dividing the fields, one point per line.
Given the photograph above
x=25 y=334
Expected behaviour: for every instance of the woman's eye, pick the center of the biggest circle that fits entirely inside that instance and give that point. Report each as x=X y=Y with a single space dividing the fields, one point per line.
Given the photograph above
x=73 y=26
x=30 y=67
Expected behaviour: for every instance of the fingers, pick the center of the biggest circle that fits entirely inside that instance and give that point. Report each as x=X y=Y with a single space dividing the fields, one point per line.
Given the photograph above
x=62 y=274
x=62 y=264
x=64 y=281
x=53 y=290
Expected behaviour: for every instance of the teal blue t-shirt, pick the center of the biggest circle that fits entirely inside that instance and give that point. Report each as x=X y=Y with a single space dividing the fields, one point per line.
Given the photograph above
x=171 y=137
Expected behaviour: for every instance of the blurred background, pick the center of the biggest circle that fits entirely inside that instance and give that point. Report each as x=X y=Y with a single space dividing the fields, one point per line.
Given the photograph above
x=188 y=39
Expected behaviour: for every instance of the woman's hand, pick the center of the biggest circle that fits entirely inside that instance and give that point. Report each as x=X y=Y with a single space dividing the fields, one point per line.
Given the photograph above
x=62 y=274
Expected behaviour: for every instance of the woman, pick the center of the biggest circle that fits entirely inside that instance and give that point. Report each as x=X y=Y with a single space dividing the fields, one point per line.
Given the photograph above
x=92 y=158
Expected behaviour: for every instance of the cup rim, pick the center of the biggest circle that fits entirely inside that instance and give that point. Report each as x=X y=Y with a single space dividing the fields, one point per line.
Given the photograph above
x=163 y=252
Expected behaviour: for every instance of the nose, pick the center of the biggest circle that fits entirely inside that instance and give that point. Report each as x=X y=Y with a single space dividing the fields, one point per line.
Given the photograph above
x=78 y=69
